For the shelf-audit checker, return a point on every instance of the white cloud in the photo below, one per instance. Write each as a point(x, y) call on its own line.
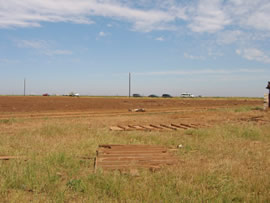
point(102, 34)
point(35, 44)
point(215, 15)
point(260, 18)
point(199, 16)
point(58, 52)
point(203, 72)
point(192, 57)
point(17, 13)
point(253, 14)
point(253, 54)
point(6, 60)
point(159, 39)
point(209, 17)
point(229, 37)
point(214, 53)
point(42, 46)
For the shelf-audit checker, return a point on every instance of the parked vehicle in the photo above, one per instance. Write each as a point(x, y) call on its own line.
point(72, 94)
point(45, 94)
point(166, 96)
point(152, 95)
point(187, 95)
point(136, 95)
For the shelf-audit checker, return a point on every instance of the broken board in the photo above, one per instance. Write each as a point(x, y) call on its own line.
point(126, 157)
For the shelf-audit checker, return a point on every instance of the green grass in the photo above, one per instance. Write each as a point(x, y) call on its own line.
point(8, 121)
point(240, 109)
point(224, 163)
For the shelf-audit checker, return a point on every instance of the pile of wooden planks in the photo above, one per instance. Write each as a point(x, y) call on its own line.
point(152, 127)
point(126, 157)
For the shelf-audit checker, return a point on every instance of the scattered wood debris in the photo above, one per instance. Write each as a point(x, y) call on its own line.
point(256, 119)
point(152, 127)
point(129, 157)
point(5, 158)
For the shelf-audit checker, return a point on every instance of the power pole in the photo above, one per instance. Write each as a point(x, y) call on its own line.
point(129, 90)
point(24, 89)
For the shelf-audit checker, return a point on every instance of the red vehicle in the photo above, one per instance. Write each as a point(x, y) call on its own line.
point(46, 94)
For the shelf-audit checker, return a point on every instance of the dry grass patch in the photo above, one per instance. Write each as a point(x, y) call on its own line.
point(226, 162)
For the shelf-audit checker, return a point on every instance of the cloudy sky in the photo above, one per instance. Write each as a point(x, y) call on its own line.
point(206, 47)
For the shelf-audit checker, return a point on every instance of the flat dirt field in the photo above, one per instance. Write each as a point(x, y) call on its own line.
point(38, 105)
point(52, 143)
point(202, 110)
point(66, 104)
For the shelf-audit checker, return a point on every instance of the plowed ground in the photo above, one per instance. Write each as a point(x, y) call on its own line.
point(38, 104)
point(108, 111)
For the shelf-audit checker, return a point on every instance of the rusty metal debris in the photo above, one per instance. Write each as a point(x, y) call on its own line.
point(152, 127)
point(127, 157)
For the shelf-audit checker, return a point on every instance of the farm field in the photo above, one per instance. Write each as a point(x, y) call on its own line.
point(53, 141)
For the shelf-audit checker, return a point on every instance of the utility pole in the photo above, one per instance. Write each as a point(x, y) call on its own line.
point(129, 90)
point(24, 89)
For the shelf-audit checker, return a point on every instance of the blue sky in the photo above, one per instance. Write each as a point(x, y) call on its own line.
point(206, 47)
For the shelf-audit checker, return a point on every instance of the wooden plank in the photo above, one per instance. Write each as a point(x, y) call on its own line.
point(148, 127)
point(133, 149)
point(179, 126)
point(129, 146)
point(124, 145)
point(169, 127)
point(145, 156)
point(133, 163)
point(125, 167)
point(132, 127)
point(116, 128)
point(3, 158)
point(137, 127)
point(132, 156)
point(115, 147)
point(151, 127)
point(127, 160)
point(157, 127)
point(186, 125)
point(192, 125)
point(128, 153)
point(125, 128)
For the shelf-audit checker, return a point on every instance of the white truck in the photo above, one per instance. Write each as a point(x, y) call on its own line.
point(187, 95)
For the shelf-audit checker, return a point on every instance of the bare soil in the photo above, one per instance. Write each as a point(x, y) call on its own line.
point(107, 112)
point(38, 104)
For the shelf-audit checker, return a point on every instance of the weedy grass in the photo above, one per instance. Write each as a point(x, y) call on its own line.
point(8, 121)
point(222, 163)
point(241, 109)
